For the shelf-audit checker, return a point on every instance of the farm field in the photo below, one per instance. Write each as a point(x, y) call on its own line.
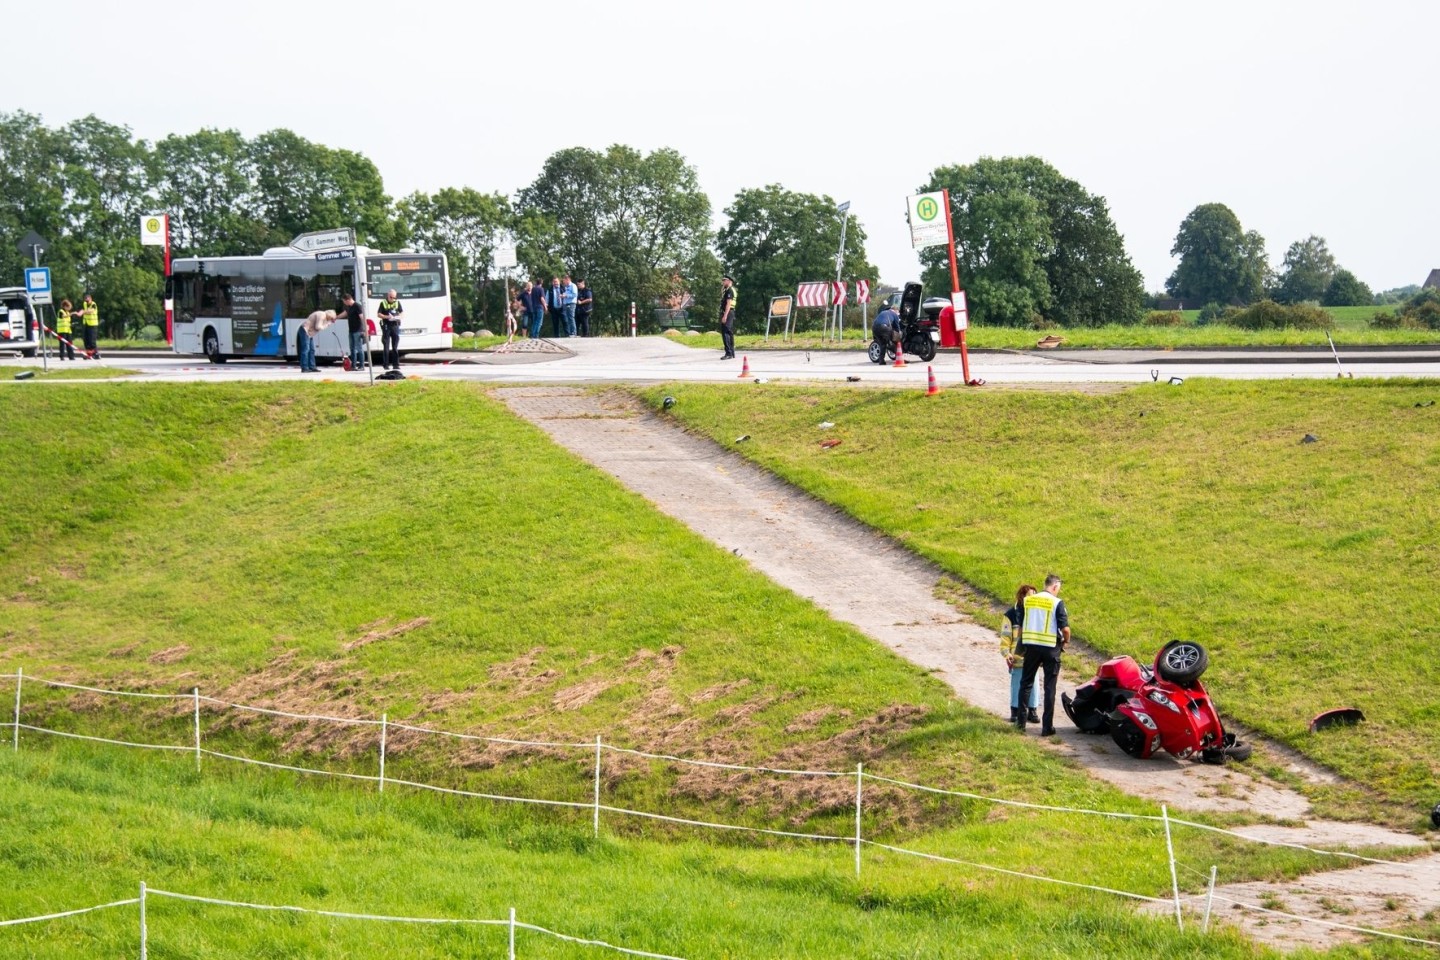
point(417, 551)
point(1194, 512)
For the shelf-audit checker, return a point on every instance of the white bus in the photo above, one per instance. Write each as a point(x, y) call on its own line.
point(253, 306)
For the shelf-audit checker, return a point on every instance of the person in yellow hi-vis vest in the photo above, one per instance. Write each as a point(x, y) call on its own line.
point(90, 323)
point(63, 329)
point(1044, 632)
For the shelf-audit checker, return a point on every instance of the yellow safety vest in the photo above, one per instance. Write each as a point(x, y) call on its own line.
point(62, 321)
point(1038, 627)
point(389, 306)
point(90, 314)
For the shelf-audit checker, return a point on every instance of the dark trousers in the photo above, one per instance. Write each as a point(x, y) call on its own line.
point(1036, 659)
point(727, 337)
point(92, 337)
point(390, 344)
point(582, 323)
point(67, 346)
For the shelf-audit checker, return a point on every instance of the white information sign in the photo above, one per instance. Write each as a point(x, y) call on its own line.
point(962, 315)
point(152, 229)
point(927, 220)
point(320, 240)
point(37, 284)
point(505, 258)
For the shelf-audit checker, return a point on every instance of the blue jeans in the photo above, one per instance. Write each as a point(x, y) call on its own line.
point(307, 351)
point(569, 312)
point(1015, 674)
point(537, 318)
point(357, 351)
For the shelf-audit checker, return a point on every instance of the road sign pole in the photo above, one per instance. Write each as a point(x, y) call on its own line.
point(169, 301)
point(839, 268)
point(955, 285)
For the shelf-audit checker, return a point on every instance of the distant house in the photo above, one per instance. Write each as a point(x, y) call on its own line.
point(1433, 280)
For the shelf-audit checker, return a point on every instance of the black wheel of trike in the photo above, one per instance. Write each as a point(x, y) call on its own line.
point(1182, 662)
point(1127, 735)
point(925, 350)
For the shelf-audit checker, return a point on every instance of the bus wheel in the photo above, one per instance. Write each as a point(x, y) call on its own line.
point(212, 347)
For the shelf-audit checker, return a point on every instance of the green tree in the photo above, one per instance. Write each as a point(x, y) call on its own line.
point(1346, 290)
point(302, 186)
point(466, 226)
point(1308, 268)
point(1033, 243)
point(1219, 262)
point(206, 181)
point(31, 196)
point(774, 239)
point(634, 225)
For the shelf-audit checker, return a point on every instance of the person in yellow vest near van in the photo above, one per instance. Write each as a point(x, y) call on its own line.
point(390, 310)
point(62, 327)
point(90, 323)
point(1044, 632)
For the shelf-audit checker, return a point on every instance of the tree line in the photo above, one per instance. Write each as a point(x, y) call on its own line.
point(1034, 246)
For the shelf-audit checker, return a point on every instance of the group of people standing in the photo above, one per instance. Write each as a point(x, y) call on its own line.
point(1033, 634)
point(568, 304)
point(390, 312)
point(89, 325)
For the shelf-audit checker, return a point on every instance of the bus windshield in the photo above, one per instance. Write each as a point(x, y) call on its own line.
point(412, 277)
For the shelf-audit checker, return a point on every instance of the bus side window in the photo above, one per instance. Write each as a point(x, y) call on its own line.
point(331, 285)
point(183, 292)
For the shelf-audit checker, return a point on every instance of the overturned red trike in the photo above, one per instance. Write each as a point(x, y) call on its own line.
point(1148, 709)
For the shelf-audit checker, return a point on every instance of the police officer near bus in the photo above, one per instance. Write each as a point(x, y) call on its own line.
point(390, 311)
point(63, 331)
point(727, 316)
point(1044, 632)
point(90, 323)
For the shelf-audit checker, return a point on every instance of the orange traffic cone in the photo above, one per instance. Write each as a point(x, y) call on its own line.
point(899, 356)
point(934, 387)
point(744, 367)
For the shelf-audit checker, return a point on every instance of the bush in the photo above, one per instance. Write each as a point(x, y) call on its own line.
point(1210, 313)
point(1040, 322)
point(150, 333)
point(1387, 320)
point(1269, 315)
point(1420, 312)
point(1164, 318)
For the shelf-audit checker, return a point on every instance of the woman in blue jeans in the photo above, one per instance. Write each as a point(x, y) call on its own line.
point(1014, 658)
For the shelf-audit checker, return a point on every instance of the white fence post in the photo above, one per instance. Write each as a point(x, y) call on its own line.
point(144, 934)
point(859, 787)
point(1174, 880)
point(512, 934)
point(384, 726)
point(19, 680)
point(197, 729)
point(597, 786)
point(1209, 898)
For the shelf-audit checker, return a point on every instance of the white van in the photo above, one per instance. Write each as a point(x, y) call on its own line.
point(18, 328)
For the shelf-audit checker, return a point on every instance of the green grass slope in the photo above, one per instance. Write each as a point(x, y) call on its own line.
point(1192, 512)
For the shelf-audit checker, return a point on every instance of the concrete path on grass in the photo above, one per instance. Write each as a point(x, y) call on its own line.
point(888, 593)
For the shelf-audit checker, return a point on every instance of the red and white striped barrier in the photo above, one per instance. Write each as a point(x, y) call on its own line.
point(813, 295)
point(841, 289)
point(862, 291)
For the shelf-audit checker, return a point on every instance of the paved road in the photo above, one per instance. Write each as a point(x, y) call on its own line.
point(652, 359)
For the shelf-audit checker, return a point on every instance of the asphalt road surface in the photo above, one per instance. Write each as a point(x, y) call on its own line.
point(658, 359)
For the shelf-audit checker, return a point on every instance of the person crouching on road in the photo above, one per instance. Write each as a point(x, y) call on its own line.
point(309, 330)
point(1044, 632)
point(389, 313)
point(1014, 655)
point(63, 331)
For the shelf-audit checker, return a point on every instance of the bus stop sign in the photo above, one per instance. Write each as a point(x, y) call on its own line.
point(37, 284)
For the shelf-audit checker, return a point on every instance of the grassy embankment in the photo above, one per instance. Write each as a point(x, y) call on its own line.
point(1193, 512)
point(244, 538)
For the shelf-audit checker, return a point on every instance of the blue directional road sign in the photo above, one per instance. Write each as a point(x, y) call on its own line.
point(37, 284)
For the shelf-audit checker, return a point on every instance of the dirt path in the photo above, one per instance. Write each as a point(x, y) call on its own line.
point(797, 541)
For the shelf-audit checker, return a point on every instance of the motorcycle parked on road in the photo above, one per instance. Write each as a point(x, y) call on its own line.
point(920, 337)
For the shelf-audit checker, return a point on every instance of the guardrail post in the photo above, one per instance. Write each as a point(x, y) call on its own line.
point(197, 729)
point(597, 786)
point(512, 934)
point(19, 681)
point(144, 933)
point(384, 725)
point(1174, 880)
point(859, 787)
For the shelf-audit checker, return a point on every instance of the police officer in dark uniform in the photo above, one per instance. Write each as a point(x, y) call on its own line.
point(727, 316)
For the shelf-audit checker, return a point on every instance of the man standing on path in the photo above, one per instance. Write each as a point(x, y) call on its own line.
point(355, 319)
point(390, 311)
point(583, 307)
point(568, 296)
point(90, 323)
point(535, 303)
point(555, 303)
point(727, 316)
point(1044, 632)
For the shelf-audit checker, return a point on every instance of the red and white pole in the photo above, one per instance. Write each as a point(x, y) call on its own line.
point(955, 286)
point(169, 300)
point(632, 319)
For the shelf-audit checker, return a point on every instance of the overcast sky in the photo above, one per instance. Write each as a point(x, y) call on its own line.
point(1313, 117)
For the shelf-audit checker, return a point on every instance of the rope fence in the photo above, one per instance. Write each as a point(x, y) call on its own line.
point(598, 749)
point(511, 924)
